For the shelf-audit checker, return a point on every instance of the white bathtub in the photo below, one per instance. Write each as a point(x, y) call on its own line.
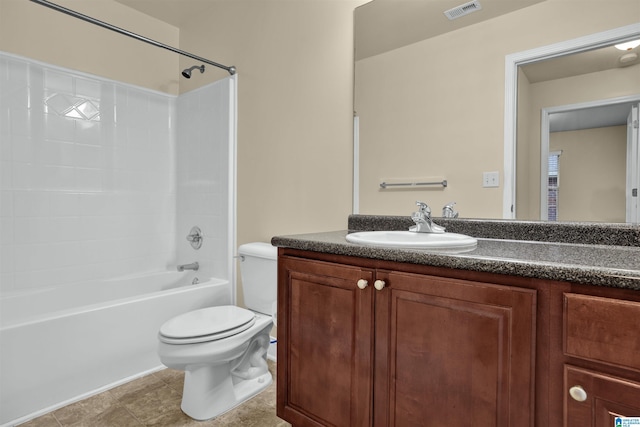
point(65, 343)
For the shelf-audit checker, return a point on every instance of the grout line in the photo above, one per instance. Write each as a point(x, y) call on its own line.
point(118, 403)
point(56, 419)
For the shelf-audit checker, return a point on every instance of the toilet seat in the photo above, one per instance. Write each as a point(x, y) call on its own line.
point(207, 324)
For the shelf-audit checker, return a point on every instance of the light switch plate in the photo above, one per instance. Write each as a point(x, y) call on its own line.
point(490, 179)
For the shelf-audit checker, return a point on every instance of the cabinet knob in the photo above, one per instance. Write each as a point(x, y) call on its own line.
point(578, 393)
point(379, 284)
point(362, 283)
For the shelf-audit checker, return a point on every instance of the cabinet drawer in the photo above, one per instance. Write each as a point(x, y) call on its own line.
point(602, 329)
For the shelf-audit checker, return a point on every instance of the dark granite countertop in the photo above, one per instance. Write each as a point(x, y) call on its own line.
point(593, 264)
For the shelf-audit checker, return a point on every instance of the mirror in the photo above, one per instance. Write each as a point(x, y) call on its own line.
point(592, 146)
point(433, 109)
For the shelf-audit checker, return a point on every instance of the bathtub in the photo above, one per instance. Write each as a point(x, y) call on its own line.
point(62, 344)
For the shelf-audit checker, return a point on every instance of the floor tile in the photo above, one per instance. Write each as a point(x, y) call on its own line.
point(116, 416)
point(47, 420)
point(154, 400)
point(171, 377)
point(84, 409)
point(173, 419)
point(154, 403)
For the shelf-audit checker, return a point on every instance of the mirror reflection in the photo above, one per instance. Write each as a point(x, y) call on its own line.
point(433, 109)
point(577, 159)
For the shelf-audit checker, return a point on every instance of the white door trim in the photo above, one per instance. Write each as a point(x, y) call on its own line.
point(512, 62)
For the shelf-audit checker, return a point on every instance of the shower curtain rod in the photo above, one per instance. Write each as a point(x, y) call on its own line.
point(231, 70)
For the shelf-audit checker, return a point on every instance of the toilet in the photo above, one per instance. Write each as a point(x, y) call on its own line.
point(223, 349)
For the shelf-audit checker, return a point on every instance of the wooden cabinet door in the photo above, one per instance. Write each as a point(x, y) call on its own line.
point(453, 352)
point(325, 330)
point(605, 398)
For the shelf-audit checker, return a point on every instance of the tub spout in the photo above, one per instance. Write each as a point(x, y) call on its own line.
point(193, 266)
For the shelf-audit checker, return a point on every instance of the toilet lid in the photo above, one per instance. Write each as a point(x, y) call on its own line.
point(210, 323)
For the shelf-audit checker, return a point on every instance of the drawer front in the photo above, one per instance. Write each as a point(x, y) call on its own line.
point(602, 329)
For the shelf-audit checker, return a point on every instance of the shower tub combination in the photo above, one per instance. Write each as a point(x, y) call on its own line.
point(65, 343)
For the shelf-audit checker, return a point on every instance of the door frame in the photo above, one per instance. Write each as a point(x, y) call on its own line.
point(633, 165)
point(545, 136)
point(512, 62)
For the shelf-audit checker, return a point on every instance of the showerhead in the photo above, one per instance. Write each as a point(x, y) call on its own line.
point(187, 71)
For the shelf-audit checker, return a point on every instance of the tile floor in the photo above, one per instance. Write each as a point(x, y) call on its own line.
point(154, 400)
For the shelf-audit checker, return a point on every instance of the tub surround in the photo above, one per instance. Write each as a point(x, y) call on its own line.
point(96, 187)
point(594, 254)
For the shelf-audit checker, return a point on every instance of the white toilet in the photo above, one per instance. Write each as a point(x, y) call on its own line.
point(223, 349)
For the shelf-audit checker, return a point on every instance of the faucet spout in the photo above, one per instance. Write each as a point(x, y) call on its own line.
point(193, 266)
point(423, 221)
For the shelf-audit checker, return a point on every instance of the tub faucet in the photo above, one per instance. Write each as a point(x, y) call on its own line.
point(193, 266)
point(448, 211)
point(424, 223)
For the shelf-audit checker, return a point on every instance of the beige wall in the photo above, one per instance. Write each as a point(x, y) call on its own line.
point(579, 89)
point(295, 84)
point(295, 78)
point(447, 117)
point(33, 31)
point(592, 174)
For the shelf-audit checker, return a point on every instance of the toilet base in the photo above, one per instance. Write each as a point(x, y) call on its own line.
point(201, 401)
point(220, 375)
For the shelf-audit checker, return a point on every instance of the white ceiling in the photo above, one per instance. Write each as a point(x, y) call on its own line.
point(174, 12)
point(384, 25)
point(589, 118)
point(404, 21)
point(592, 61)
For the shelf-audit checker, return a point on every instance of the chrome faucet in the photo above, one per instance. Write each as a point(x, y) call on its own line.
point(424, 223)
point(193, 266)
point(448, 211)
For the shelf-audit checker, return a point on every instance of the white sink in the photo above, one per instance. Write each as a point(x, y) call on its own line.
point(449, 242)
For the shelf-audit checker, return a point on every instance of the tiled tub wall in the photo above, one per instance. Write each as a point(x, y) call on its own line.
point(203, 176)
point(89, 177)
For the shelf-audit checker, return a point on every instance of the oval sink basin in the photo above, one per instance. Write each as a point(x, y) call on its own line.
point(449, 242)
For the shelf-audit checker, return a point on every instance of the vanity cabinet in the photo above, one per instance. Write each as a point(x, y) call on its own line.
point(325, 340)
point(601, 344)
point(363, 343)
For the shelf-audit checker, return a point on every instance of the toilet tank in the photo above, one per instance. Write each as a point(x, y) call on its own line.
point(259, 272)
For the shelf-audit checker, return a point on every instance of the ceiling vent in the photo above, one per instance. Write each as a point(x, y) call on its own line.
point(463, 9)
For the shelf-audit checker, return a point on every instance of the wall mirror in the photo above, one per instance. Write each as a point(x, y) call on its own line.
point(436, 105)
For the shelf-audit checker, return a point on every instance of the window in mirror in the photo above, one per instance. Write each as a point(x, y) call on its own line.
point(553, 185)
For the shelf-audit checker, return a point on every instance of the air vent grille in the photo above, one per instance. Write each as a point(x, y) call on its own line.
point(463, 9)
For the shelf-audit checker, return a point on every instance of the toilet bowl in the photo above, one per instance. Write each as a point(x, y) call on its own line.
point(223, 349)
